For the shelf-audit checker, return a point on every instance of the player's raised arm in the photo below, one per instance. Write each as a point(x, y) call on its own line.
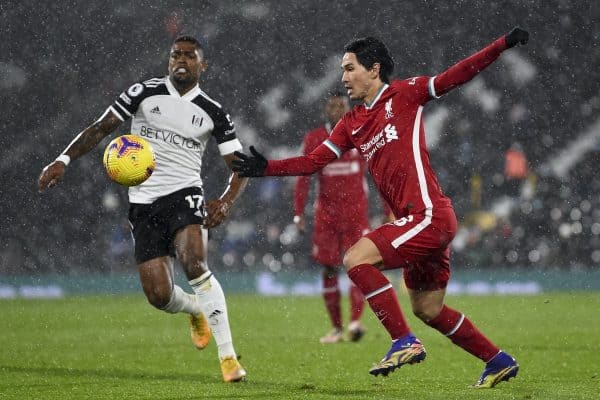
point(465, 70)
point(82, 144)
point(218, 209)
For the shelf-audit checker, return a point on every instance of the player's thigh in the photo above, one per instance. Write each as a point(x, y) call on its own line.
point(410, 239)
point(362, 252)
point(191, 249)
point(326, 244)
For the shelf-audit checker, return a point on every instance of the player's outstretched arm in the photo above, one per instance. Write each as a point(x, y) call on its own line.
point(465, 70)
point(256, 165)
point(218, 209)
point(82, 144)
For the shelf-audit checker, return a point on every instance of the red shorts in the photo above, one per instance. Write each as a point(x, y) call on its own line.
point(420, 245)
point(330, 241)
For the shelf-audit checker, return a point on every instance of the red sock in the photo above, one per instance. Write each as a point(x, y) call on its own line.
point(331, 295)
point(461, 331)
point(381, 297)
point(357, 303)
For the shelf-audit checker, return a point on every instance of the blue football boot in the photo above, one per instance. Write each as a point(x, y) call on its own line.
point(407, 350)
point(500, 368)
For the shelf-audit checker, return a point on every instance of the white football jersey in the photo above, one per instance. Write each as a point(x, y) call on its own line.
point(178, 128)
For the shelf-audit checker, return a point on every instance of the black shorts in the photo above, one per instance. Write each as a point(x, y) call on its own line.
point(154, 225)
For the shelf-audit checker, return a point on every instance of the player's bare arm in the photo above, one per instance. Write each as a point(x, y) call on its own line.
point(218, 209)
point(82, 144)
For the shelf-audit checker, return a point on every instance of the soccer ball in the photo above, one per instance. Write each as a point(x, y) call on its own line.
point(129, 160)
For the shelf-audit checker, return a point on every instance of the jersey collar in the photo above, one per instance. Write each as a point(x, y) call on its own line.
point(379, 93)
point(188, 96)
point(328, 128)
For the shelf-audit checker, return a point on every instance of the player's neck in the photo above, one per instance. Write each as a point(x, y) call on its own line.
point(182, 89)
point(373, 93)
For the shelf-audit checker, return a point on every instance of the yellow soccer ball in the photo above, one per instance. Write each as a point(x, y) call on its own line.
point(129, 160)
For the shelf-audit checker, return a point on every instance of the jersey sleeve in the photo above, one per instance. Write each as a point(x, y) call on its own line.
point(331, 149)
point(466, 69)
point(128, 102)
point(418, 88)
point(339, 140)
point(224, 133)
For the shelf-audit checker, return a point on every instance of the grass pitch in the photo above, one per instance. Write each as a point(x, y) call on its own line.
point(118, 347)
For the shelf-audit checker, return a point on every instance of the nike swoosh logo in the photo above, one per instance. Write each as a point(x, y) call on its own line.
point(355, 131)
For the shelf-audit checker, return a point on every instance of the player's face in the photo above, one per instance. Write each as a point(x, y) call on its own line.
point(335, 108)
point(358, 80)
point(185, 63)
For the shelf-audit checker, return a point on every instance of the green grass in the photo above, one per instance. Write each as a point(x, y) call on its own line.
point(118, 347)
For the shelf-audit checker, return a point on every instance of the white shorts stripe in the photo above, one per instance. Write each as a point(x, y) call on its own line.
point(376, 292)
point(411, 233)
point(458, 324)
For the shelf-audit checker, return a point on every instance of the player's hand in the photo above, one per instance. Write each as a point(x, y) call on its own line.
point(51, 175)
point(300, 223)
point(389, 217)
point(516, 36)
point(249, 166)
point(217, 211)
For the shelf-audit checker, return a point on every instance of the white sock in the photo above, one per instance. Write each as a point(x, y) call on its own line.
point(182, 302)
point(212, 302)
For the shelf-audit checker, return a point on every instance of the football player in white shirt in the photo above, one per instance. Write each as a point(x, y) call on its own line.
point(167, 212)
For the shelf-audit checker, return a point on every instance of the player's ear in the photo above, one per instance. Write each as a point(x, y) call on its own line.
point(374, 71)
point(203, 65)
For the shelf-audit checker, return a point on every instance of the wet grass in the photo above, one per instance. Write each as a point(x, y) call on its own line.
point(118, 347)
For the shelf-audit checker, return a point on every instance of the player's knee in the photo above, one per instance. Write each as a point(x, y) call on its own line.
point(426, 312)
point(159, 297)
point(193, 262)
point(351, 258)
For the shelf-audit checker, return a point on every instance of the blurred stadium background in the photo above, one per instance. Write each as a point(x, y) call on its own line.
point(271, 65)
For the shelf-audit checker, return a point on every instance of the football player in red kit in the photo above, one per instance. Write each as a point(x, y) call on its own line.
point(341, 218)
point(387, 129)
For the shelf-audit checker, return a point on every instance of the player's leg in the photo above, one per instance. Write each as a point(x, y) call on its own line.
point(357, 300)
point(361, 261)
point(430, 308)
point(331, 297)
point(156, 277)
point(326, 252)
point(155, 266)
point(356, 330)
point(190, 247)
point(426, 282)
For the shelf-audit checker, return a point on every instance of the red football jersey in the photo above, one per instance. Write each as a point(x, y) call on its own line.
point(342, 189)
point(390, 136)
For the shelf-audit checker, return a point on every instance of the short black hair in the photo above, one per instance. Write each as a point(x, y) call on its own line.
point(370, 50)
point(189, 39)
